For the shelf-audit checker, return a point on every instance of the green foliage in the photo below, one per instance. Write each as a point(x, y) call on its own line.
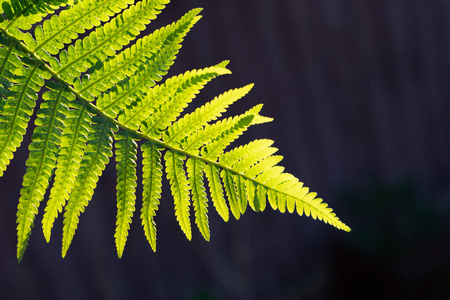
point(102, 90)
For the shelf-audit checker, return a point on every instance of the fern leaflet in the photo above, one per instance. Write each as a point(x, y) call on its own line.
point(126, 152)
point(96, 157)
point(41, 161)
point(152, 177)
point(199, 200)
point(180, 189)
point(73, 143)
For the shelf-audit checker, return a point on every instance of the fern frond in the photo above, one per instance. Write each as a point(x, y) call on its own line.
point(243, 157)
point(216, 191)
point(215, 148)
point(261, 198)
point(157, 50)
point(164, 103)
point(241, 190)
point(41, 161)
point(286, 192)
point(10, 62)
point(152, 182)
point(98, 88)
point(105, 41)
point(64, 28)
point(23, 14)
point(230, 189)
point(213, 132)
point(264, 164)
point(212, 110)
point(96, 157)
point(180, 189)
point(199, 199)
point(253, 200)
point(73, 143)
point(21, 84)
point(126, 155)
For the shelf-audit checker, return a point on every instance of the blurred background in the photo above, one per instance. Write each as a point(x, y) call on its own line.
point(359, 91)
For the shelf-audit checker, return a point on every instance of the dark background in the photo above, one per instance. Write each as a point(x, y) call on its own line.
point(359, 90)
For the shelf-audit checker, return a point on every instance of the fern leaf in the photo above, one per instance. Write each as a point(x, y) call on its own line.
point(96, 157)
point(23, 14)
point(261, 197)
point(264, 164)
point(61, 29)
point(105, 41)
point(41, 161)
point(286, 192)
point(97, 76)
point(180, 189)
point(17, 107)
point(200, 201)
point(216, 191)
point(164, 103)
point(217, 146)
point(185, 126)
point(241, 189)
point(230, 189)
point(272, 197)
point(157, 50)
point(213, 132)
point(126, 152)
point(10, 62)
point(152, 177)
point(250, 187)
point(243, 157)
point(73, 143)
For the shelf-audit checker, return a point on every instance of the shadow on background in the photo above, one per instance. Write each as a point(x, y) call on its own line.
point(359, 90)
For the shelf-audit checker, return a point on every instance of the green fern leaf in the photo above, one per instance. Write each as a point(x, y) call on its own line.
point(261, 198)
point(230, 189)
point(96, 157)
point(20, 98)
point(264, 164)
point(241, 189)
point(41, 162)
point(73, 143)
point(157, 50)
point(102, 88)
point(216, 191)
point(165, 103)
point(10, 62)
point(243, 157)
point(180, 189)
point(105, 41)
point(199, 199)
point(215, 148)
point(187, 125)
point(213, 132)
point(23, 14)
point(152, 177)
point(126, 152)
point(64, 28)
point(253, 201)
